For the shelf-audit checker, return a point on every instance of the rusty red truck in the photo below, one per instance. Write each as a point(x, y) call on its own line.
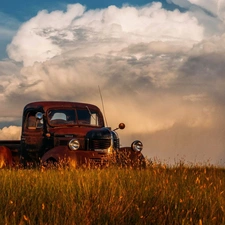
point(72, 133)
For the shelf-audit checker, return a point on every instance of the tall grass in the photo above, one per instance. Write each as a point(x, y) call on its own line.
point(156, 195)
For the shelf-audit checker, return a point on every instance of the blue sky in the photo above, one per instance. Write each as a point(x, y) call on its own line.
point(23, 10)
point(160, 66)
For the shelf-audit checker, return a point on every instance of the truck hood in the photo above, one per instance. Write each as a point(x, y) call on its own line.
point(73, 131)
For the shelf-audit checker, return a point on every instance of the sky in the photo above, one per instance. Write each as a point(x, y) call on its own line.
point(159, 66)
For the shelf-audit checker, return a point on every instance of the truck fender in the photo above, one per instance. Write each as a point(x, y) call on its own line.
point(59, 154)
point(5, 157)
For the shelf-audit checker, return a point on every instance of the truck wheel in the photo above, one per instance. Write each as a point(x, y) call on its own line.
point(51, 163)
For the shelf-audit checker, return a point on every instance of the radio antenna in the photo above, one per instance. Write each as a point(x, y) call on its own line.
point(102, 106)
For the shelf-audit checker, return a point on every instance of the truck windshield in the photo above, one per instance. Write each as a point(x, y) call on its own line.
point(59, 117)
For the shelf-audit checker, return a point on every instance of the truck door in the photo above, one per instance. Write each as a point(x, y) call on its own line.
point(32, 137)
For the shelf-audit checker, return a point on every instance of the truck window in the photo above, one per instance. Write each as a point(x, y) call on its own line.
point(86, 116)
point(94, 119)
point(32, 123)
point(61, 116)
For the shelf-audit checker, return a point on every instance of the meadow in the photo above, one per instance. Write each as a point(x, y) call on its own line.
point(159, 194)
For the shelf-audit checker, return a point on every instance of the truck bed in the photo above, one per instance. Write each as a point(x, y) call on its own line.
point(13, 145)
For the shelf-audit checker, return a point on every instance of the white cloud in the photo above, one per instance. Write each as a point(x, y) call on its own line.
point(157, 71)
point(216, 7)
point(214, 44)
point(210, 13)
point(35, 39)
point(100, 31)
point(10, 133)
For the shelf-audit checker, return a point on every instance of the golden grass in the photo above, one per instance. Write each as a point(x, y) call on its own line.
point(158, 194)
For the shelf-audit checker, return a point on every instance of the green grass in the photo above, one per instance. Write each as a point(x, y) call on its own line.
point(156, 195)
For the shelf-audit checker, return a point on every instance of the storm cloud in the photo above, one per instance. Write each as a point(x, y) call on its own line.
point(159, 71)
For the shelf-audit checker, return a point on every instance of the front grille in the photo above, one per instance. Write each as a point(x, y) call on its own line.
point(116, 143)
point(99, 144)
point(63, 142)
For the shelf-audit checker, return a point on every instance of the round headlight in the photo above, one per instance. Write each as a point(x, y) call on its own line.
point(137, 146)
point(74, 144)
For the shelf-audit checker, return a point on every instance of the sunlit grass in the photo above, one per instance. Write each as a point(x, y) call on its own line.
point(158, 194)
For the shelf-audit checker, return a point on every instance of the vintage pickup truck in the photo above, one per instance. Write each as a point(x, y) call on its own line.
point(67, 133)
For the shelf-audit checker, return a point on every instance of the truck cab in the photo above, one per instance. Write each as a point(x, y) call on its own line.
point(71, 133)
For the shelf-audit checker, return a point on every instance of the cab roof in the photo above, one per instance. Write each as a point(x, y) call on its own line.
point(51, 104)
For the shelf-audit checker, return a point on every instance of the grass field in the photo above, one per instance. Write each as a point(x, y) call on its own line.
point(156, 195)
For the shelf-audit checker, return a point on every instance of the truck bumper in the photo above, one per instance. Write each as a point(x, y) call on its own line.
point(123, 157)
point(63, 155)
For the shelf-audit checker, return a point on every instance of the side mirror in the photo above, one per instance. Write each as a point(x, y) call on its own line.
point(121, 126)
point(39, 115)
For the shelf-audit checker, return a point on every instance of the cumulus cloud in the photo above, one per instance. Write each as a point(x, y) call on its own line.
point(215, 7)
point(159, 71)
point(12, 131)
point(105, 31)
point(211, 14)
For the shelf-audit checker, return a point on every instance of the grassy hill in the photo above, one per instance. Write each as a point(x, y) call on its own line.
point(158, 194)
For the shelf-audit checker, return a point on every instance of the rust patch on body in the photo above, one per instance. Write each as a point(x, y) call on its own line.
point(5, 157)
